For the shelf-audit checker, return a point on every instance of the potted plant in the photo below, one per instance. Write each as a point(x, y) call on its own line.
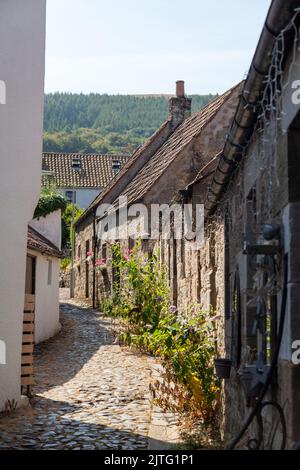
point(223, 367)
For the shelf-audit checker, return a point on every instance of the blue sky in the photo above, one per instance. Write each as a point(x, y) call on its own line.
point(144, 46)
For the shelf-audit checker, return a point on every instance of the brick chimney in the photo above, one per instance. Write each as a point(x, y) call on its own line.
point(179, 105)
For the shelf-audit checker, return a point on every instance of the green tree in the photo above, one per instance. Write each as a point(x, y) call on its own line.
point(67, 222)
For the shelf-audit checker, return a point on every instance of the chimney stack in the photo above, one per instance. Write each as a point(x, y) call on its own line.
point(180, 88)
point(179, 105)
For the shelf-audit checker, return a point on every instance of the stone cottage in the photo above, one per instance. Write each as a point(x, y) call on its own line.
point(85, 175)
point(248, 268)
point(156, 171)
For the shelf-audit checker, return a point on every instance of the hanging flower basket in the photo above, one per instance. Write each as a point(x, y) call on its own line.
point(89, 256)
point(100, 266)
point(223, 368)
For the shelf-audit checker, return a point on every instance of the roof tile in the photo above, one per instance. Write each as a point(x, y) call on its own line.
point(96, 171)
point(37, 242)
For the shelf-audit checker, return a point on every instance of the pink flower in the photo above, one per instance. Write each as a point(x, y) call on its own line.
point(89, 253)
point(100, 262)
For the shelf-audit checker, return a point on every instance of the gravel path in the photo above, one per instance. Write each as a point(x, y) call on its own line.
point(89, 393)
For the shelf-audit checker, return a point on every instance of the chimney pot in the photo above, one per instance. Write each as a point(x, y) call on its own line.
point(179, 105)
point(180, 88)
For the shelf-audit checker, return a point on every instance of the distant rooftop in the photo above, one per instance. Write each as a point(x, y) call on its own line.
point(95, 171)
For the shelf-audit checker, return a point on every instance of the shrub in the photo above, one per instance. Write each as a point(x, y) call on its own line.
point(185, 341)
point(65, 264)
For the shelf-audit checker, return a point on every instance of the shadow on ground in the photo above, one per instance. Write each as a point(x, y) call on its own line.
point(59, 359)
point(53, 431)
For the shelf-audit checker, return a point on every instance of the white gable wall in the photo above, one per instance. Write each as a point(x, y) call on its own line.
point(84, 196)
point(49, 227)
point(22, 51)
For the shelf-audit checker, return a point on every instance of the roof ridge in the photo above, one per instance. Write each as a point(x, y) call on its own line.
point(88, 154)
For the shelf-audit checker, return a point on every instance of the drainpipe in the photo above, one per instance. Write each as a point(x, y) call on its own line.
point(280, 14)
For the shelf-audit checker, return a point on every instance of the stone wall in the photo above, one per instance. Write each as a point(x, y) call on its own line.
point(84, 242)
point(262, 191)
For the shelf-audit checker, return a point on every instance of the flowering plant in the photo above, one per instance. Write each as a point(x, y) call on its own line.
point(100, 265)
point(89, 256)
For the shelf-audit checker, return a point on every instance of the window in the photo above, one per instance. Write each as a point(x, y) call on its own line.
point(131, 243)
point(266, 322)
point(293, 162)
point(69, 196)
point(116, 166)
point(115, 273)
point(76, 164)
point(227, 268)
point(104, 252)
point(49, 272)
point(87, 269)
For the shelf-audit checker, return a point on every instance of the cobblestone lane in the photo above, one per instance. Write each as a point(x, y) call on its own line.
point(89, 393)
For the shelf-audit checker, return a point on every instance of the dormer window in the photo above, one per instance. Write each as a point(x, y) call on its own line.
point(76, 164)
point(116, 166)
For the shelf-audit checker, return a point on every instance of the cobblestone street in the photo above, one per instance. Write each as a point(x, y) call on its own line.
point(90, 393)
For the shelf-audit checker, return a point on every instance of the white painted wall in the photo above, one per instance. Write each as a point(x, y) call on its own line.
point(46, 298)
point(22, 51)
point(49, 227)
point(84, 197)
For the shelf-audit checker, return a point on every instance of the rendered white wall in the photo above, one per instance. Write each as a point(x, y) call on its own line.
point(84, 197)
point(50, 227)
point(46, 298)
point(22, 51)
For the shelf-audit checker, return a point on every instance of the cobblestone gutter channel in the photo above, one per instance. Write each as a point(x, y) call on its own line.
point(90, 394)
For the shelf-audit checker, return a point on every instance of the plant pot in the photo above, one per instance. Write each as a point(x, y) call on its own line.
point(223, 368)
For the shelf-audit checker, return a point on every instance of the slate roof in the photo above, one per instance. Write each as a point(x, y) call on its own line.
point(96, 170)
point(182, 137)
point(37, 242)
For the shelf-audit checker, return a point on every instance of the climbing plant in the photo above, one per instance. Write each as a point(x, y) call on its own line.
point(50, 201)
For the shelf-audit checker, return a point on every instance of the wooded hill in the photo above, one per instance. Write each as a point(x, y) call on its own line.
point(97, 123)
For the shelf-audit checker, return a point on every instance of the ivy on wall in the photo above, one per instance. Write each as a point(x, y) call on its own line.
point(50, 201)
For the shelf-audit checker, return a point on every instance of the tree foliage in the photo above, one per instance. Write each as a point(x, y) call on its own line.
point(97, 123)
point(67, 223)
